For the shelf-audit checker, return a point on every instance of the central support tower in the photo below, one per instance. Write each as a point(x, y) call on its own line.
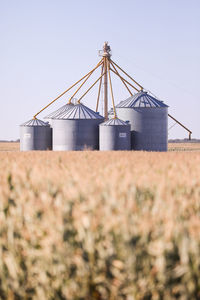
point(106, 56)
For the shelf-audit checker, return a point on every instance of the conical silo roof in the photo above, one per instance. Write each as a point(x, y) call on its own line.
point(35, 122)
point(114, 122)
point(59, 111)
point(79, 111)
point(141, 99)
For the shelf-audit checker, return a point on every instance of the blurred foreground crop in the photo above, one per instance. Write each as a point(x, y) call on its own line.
point(91, 225)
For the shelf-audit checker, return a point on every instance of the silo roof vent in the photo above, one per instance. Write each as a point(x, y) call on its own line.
point(79, 111)
point(142, 99)
point(35, 122)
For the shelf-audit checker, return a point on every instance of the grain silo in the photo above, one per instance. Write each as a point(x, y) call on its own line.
point(149, 121)
point(75, 126)
point(76, 129)
point(35, 135)
point(114, 134)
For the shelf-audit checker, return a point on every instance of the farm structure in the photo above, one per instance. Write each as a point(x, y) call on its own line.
point(137, 123)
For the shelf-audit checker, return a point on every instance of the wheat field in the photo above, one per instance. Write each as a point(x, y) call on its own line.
point(184, 147)
point(9, 146)
point(14, 146)
point(99, 225)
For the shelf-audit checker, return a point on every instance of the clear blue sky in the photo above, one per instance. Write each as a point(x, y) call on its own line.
point(46, 45)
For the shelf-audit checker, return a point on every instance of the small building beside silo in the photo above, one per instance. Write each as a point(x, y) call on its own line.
point(35, 135)
point(148, 118)
point(114, 134)
point(76, 129)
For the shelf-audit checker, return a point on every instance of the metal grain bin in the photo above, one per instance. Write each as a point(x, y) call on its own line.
point(114, 134)
point(76, 129)
point(35, 135)
point(149, 121)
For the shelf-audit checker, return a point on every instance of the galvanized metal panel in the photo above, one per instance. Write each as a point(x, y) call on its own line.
point(35, 135)
point(59, 111)
point(114, 134)
point(149, 127)
point(76, 129)
point(79, 111)
point(35, 138)
point(148, 117)
point(114, 122)
point(74, 134)
point(35, 122)
point(142, 99)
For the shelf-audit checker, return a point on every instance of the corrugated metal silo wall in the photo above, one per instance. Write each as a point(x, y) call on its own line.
point(35, 138)
point(114, 138)
point(149, 127)
point(76, 134)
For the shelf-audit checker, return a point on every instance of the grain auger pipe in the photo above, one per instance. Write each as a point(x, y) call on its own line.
point(98, 65)
point(35, 116)
point(141, 87)
point(79, 101)
point(190, 132)
point(99, 90)
point(117, 73)
point(111, 90)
